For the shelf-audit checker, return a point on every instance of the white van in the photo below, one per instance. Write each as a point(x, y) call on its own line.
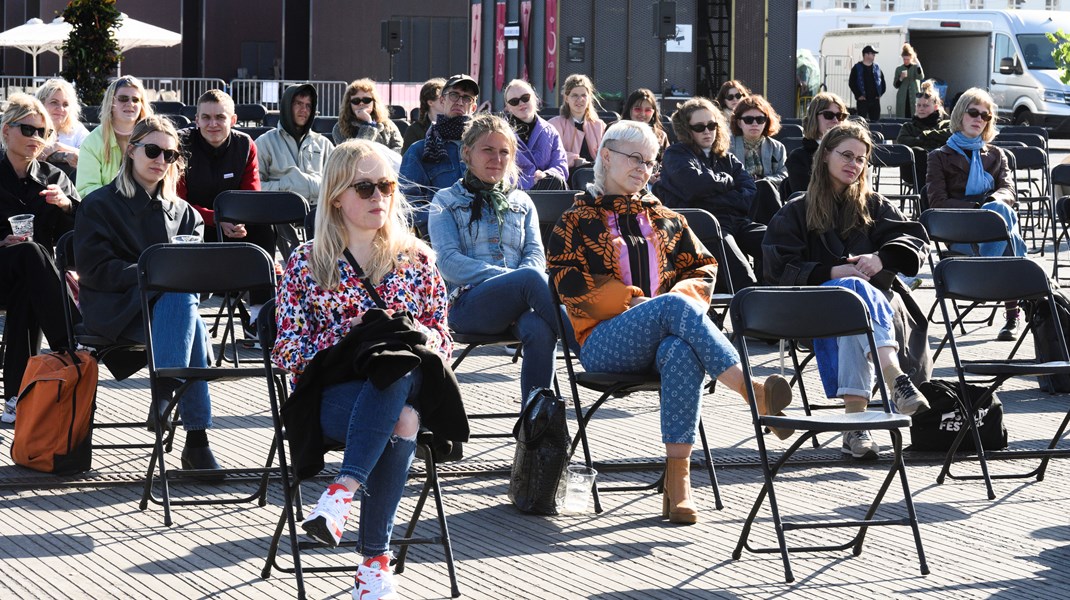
point(1003, 51)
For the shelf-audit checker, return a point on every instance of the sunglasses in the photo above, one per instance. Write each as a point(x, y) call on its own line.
point(152, 151)
point(700, 127)
point(365, 189)
point(732, 97)
point(922, 95)
point(752, 119)
point(31, 131)
point(984, 116)
point(359, 101)
point(519, 100)
point(124, 99)
point(829, 115)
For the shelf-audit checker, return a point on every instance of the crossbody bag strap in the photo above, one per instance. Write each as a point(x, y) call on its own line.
point(364, 280)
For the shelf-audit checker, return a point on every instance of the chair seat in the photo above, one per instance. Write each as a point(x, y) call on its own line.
point(210, 374)
point(870, 419)
point(720, 299)
point(1017, 369)
point(633, 383)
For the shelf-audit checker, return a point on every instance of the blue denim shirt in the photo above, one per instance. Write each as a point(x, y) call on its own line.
point(471, 254)
point(420, 180)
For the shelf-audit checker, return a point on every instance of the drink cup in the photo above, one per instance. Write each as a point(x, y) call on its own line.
point(186, 239)
point(579, 480)
point(22, 225)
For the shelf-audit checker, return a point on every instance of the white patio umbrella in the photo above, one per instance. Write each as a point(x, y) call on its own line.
point(36, 37)
point(139, 34)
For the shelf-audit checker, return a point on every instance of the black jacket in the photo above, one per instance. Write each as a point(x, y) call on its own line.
point(381, 349)
point(719, 184)
point(109, 236)
point(800, 164)
point(209, 170)
point(22, 196)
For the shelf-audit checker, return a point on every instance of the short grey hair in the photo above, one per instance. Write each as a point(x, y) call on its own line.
point(623, 131)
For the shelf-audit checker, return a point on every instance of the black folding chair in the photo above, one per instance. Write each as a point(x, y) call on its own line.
point(1033, 186)
point(1060, 175)
point(551, 205)
point(789, 130)
point(807, 313)
point(250, 115)
point(581, 178)
point(250, 208)
point(892, 156)
point(998, 280)
point(278, 390)
point(705, 226)
point(179, 268)
point(1029, 138)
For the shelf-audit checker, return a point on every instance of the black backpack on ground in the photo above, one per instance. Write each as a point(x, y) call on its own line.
point(542, 453)
point(1046, 339)
point(937, 428)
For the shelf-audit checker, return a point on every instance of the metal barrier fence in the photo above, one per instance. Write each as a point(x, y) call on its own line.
point(179, 89)
point(17, 84)
point(836, 71)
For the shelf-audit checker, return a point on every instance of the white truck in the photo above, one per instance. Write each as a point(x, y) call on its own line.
point(1004, 51)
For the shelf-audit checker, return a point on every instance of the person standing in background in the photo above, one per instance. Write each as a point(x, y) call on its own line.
point(868, 85)
point(907, 80)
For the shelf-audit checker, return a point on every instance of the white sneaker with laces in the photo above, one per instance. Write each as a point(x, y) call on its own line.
point(907, 399)
point(860, 445)
point(327, 521)
point(375, 580)
point(9, 410)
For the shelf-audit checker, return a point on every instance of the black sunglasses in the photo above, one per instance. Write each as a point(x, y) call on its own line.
point(828, 114)
point(973, 112)
point(31, 131)
point(359, 101)
point(752, 119)
point(519, 100)
point(731, 97)
point(152, 151)
point(365, 189)
point(700, 127)
point(922, 95)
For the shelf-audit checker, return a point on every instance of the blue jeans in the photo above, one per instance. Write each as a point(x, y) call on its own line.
point(180, 339)
point(998, 248)
point(363, 416)
point(519, 302)
point(672, 335)
point(842, 362)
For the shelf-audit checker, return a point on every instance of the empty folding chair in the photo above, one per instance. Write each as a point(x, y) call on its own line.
point(1060, 176)
point(892, 156)
point(807, 313)
point(1034, 193)
point(998, 280)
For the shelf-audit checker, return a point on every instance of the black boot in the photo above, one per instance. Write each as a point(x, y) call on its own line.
point(201, 458)
point(1009, 333)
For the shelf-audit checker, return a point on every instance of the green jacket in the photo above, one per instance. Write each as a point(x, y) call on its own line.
point(93, 172)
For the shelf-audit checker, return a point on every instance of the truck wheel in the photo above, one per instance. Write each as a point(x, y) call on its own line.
point(1024, 117)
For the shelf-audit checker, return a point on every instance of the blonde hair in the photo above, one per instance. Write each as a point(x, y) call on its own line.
point(124, 180)
point(106, 127)
point(975, 96)
point(820, 103)
point(20, 106)
point(908, 50)
point(624, 131)
point(527, 86)
point(480, 126)
point(392, 243)
point(827, 210)
point(345, 111)
point(572, 82)
point(74, 111)
point(681, 120)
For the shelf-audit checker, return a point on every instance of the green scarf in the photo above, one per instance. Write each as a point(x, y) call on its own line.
point(496, 196)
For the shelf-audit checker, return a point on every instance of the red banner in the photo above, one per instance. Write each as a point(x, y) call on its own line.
point(499, 47)
point(551, 44)
point(525, 28)
point(477, 35)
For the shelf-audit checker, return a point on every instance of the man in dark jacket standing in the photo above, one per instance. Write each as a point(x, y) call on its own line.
point(868, 85)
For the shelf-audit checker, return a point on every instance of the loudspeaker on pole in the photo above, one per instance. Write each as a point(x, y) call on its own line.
point(664, 20)
point(391, 36)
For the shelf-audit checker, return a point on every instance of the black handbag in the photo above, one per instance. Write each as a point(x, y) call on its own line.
point(542, 454)
point(936, 428)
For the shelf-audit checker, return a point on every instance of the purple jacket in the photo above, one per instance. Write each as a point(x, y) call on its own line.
point(543, 152)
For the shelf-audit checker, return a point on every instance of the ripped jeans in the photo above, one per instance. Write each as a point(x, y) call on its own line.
point(364, 416)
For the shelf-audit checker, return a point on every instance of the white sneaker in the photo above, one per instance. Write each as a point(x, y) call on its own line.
point(327, 521)
point(860, 445)
point(9, 410)
point(375, 580)
point(907, 399)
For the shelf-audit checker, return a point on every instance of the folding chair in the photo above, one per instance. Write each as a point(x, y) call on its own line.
point(706, 227)
point(997, 280)
point(179, 268)
point(250, 115)
point(1060, 175)
point(807, 313)
point(550, 205)
point(1034, 192)
point(892, 156)
point(581, 178)
point(788, 130)
point(1029, 138)
point(278, 390)
point(618, 385)
point(251, 208)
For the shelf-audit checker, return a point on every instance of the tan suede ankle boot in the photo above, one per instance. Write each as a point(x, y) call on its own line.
point(676, 502)
point(772, 397)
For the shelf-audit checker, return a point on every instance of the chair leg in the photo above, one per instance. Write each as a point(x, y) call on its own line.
point(908, 500)
point(710, 467)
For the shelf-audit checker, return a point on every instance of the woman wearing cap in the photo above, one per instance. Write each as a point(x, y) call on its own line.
point(540, 157)
point(101, 154)
point(825, 111)
point(968, 172)
point(907, 81)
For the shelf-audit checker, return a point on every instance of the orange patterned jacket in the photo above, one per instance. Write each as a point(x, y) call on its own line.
point(585, 263)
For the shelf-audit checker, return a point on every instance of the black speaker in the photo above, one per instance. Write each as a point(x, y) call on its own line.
point(665, 20)
point(391, 36)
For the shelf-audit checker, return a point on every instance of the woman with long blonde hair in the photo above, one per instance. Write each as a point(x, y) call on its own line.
point(101, 154)
point(580, 128)
point(61, 101)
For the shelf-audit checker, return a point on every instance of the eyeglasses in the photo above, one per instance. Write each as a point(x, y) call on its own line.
point(984, 116)
point(700, 127)
point(152, 151)
point(462, 98)
point(359, 101)
point(829, 115)
point(365, 189)
point(733, 97)
point(851, 157)
point(123, 99)
point(519, 100)
point(752, 119)
point(637, 161)
point(31, 131)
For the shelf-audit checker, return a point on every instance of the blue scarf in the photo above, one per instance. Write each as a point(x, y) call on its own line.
point(979, 182)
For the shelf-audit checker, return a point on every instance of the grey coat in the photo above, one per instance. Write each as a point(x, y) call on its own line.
point(774, 158)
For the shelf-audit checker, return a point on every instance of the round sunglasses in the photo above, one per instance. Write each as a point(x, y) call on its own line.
point(365, 189)
point(733, 97)
point(152, 151)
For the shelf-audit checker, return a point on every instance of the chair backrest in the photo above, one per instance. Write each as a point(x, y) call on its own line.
point(271, 119)
point(250, 114)
point(964, 226)
point(324, 125)
point(1029, 139)
point(254, 132)
point(401, 124)
point(705, 226)
point(789, 130)
point(310, 224)
point(581, 177)
point(1028, 157)
point(550, 205)
point(235, 267)
point(260, 207)
point(892, 155)
point(790, 143)
point(1008, 144)
point(798, 313)
point(190, 112)
point(90, 114)
point(1060, 174)
point(167, 107)
point(609, 116)
point(990, 279)
point(395, 111)
point(1034, 129)
point(179, 121)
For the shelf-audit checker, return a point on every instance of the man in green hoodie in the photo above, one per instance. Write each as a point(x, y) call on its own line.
point(292, 157)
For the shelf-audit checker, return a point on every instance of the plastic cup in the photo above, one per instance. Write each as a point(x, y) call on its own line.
point(579, 480)
point(21, 225)
point(186, 239)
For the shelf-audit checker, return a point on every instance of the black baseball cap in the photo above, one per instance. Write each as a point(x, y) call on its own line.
point(869, 50)
point(461, 79)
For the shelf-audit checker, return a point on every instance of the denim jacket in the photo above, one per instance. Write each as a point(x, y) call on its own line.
point(471, 254)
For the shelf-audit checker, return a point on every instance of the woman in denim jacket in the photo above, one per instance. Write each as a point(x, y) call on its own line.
point(486, 234)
